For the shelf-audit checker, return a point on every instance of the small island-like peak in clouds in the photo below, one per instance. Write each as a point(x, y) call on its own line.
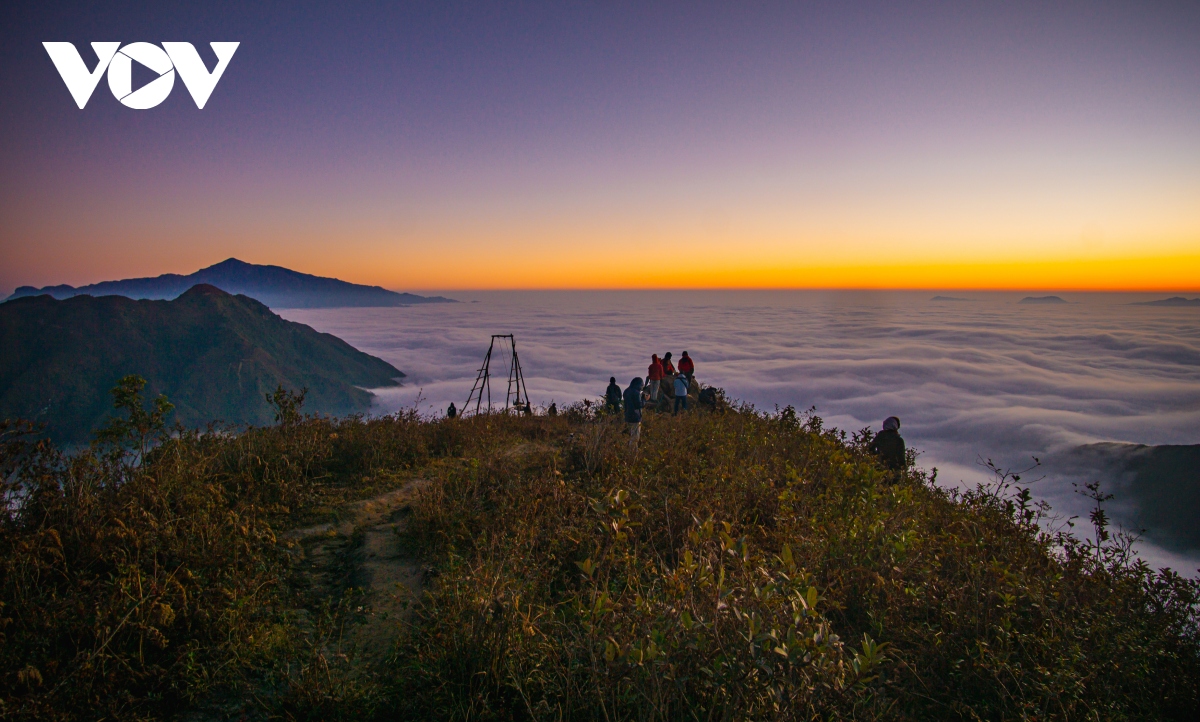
point(1045, 300)
point(1175, 301)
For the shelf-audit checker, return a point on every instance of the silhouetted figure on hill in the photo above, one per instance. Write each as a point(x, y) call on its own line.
point(633, 412)
point(451, 412)
point(681, 392)
point(612, 396)
point(553, 410)
point(889, 447)
point(654, 376)
point(686, 366)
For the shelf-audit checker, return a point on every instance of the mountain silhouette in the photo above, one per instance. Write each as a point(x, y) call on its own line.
point(1157, 487)
point(1172, 301)
point(213, 354)
point(275, 286)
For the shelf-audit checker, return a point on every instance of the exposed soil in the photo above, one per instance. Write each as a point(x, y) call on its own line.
point(364, 549)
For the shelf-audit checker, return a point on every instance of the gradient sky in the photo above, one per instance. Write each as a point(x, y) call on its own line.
point(564, 145)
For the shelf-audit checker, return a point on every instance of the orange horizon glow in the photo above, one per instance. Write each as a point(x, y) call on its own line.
point(1176, 273)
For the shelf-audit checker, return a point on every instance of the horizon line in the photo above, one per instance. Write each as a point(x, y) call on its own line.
point(4, 293)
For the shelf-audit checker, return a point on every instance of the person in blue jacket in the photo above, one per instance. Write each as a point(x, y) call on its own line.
point(681, 389)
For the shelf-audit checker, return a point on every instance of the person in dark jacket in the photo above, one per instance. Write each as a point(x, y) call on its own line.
point(668, 367)
point(451, 412)
point(612, 396)
point(633, 412)
point(686, 366)
point(889, 447)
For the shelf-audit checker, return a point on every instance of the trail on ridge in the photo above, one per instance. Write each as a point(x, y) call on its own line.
point(364, 549)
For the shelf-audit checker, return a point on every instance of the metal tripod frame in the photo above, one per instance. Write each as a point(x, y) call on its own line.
point(516, 381)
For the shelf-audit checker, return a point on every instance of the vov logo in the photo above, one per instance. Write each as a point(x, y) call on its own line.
point(118, 61)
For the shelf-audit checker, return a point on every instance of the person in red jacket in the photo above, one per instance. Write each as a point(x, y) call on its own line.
point(654, 377)
point(686, 367)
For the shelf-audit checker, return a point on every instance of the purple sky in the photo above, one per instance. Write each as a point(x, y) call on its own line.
point(387, 143)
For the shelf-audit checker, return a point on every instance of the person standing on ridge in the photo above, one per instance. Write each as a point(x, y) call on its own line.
point(451, 412)
point(681, 391)
point(612, 396)
point(633, 412)
point(553, 410)
point(889, 447)
point(668, 367)
point(654, 377)
point(686, 366)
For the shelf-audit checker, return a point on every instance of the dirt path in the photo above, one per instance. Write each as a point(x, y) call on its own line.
point(364, 549)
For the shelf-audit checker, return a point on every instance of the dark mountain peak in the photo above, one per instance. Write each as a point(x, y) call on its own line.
point(47, 291)
point(213, 354)
point(203, 289)
point(1042, 300)
point(274, 286)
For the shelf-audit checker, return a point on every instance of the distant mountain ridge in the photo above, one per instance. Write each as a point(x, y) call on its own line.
point(1159, 486)
point(1042, 299)
point(274, 286)
point(213, 354)
point(1172, 301)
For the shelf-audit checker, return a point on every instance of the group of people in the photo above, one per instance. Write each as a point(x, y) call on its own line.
point(662, 371)
point(887, 445)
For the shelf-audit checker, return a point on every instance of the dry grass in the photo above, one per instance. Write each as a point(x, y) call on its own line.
point(740, 566)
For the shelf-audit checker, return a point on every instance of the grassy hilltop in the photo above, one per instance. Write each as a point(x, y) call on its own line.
point(740, 566)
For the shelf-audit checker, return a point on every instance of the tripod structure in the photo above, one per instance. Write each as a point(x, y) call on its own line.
point(516, 396)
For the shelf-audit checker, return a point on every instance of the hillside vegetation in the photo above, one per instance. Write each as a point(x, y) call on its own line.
point(213, 354)
point(741, 565)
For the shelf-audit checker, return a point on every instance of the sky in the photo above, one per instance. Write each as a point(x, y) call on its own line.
point(449, 145)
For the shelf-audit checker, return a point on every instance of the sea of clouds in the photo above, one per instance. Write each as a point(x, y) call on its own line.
point(981, 378)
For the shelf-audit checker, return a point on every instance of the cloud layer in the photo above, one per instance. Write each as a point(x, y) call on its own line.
point(970, 381)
